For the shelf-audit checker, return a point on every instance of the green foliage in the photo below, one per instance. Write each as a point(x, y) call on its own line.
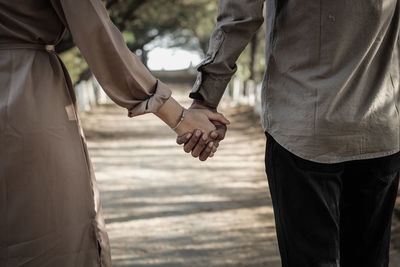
point(187, 23)
point(202, 21)
point(183, 19)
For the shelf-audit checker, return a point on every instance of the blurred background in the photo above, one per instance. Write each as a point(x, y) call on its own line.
point(162, 207)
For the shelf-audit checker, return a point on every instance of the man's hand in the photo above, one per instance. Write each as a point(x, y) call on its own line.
point(200, 145)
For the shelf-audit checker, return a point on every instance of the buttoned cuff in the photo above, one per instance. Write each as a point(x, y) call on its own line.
point(209, 89)
point(161, 94)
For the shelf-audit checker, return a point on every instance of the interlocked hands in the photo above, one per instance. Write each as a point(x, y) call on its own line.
point(203, 144)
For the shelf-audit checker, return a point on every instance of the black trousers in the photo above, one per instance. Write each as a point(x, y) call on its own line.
point(332, 214)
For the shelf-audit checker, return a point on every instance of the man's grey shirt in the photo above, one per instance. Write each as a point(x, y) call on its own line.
point(331, 89)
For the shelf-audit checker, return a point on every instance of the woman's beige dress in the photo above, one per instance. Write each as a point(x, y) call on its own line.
point(50, 213)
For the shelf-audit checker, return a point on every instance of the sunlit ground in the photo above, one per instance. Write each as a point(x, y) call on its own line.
point(164, 208)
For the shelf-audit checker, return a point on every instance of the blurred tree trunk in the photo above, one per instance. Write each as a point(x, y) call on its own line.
point(145, 57)
point(204, 45)
point(253, 52)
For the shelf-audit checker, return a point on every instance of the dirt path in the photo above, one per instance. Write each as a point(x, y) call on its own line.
point(164, 208)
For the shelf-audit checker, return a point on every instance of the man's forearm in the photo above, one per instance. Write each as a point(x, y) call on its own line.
point(238, 20)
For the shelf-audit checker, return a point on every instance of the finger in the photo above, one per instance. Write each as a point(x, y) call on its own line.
point(211, 155)
point(214, 149)
point(189, 145)
point(214, 116)
point(216, 144)
point(206, 152)
point(183, 139)
point(214, 135)
point(200, 146)
point(221, 130)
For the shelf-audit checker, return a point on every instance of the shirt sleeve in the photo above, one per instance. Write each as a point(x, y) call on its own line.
point(237, 22)
point(121, 74)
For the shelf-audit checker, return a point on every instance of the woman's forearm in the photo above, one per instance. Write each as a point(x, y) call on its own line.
point(170, 112)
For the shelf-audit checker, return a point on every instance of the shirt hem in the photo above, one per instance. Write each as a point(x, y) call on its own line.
point(334, 160)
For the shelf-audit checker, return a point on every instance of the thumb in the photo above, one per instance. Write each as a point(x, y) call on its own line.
point(215, 116)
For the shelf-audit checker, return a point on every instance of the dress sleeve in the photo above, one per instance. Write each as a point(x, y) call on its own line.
point(121, 74)
point(237, 22)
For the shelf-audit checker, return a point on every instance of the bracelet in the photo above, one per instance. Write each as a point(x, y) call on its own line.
point(180, 120)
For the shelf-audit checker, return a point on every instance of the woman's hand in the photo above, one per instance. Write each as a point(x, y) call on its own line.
point(171, 112)
point(203, 122)
point(199, 119)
